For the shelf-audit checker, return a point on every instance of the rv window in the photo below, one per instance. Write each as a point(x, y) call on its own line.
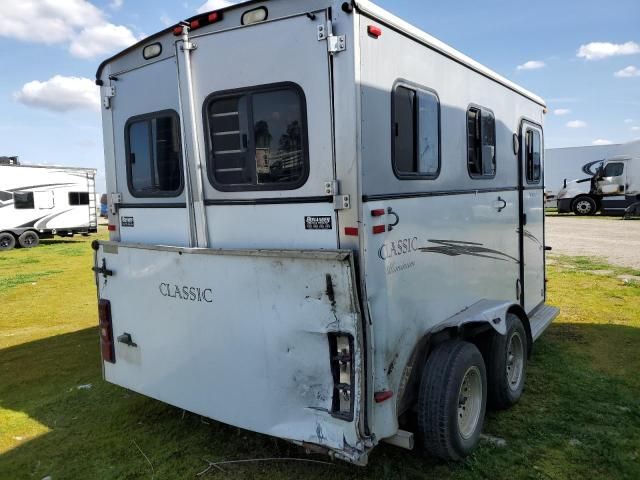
point(78, 198)
point(613, 169)
point(153, 155)
point(533, 152)
point(257, 139)
point(23, 201)
point(416, 135)
point(481, 143)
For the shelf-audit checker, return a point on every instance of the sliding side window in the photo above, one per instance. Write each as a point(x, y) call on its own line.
point(481, 143)
point(258, 139)
point(78, 198)
point(154, 157)
point(23, 201)
point(533, 146)
point(416, 133)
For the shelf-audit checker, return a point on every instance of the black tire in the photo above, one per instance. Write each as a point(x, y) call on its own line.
point(506, 358)
point(439, 400)
point(7, 241)
point(584, 206)
point(29, 239)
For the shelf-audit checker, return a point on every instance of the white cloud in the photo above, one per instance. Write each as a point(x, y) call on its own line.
point(211, 5)
point(576, 124)
point(628, 72)
point(63, 22)
point(100, 40)
point(531, 65)
point(561, 111)
point(628, 120)
point(61, 94)
point(601, 141)
point(635, 129)
point(598, 50)
point(116, 4)
point(166, 21)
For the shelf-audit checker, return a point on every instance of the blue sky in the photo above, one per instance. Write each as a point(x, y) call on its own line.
point(582, 57)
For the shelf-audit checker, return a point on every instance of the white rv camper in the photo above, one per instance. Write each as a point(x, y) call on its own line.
point(613, 184)
point(326, 226)
point(41, 201)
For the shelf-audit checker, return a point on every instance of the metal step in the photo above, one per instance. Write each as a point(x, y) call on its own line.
point(541, 319)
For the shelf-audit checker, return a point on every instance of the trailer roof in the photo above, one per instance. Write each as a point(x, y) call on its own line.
point(375, 12)
point(53, 167)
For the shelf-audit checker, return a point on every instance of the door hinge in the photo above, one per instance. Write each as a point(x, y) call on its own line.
point(335, 43)
point(114, 200)
point(340, 202)
point(109, 93)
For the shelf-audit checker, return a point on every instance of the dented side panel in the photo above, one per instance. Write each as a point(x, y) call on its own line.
point(239, 337)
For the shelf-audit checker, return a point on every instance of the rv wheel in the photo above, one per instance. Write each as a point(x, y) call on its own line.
point(452, 400)
point(506, 357)
point(583, 206)
point(29, 239)
point(7, 241)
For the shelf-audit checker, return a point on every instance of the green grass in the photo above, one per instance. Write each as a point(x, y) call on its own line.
point(579, 416)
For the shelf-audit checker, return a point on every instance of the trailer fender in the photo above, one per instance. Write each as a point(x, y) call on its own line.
point(493, 312)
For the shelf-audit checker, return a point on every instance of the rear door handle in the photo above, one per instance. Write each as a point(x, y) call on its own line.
point(500, 204)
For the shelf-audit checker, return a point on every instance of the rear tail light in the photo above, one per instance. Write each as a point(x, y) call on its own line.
point(106, 331)
point(341, 351)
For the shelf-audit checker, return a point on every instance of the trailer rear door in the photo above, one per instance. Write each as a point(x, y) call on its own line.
point(263, 113)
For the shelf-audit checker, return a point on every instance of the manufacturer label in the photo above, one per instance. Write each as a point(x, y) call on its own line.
point(317, 223)
point(127, 221)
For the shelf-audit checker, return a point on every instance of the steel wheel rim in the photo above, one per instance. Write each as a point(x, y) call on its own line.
point(29, 240)
point(470, 402)
point(583, 206)
point(515, 361)
point(4, 242)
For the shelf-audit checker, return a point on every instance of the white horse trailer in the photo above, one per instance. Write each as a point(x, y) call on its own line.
point(326, 226)
point(42, 201)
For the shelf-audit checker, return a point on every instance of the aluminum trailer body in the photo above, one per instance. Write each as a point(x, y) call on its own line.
point(314, 208)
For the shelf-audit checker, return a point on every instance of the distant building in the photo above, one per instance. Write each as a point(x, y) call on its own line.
point(9, 161)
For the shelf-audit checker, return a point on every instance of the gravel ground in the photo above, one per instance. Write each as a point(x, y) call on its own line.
point(616, 240)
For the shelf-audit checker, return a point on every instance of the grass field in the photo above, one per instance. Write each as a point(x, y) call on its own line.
point(579, 417)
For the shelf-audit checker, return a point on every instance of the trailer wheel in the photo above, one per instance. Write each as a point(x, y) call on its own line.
point(29, 239)
point(7, 241)
point(506, 357)
point(452, 400)
point(583, 206)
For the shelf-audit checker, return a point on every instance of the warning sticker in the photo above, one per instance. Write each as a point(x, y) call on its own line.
point(317, 223)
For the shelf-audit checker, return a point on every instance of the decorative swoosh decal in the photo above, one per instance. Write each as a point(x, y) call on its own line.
point(530, 236)
point(455, 248)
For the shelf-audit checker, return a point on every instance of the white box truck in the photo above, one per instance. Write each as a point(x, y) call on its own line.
point(39, 202)
point(325, 225)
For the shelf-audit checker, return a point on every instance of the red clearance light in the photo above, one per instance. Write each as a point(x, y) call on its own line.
point(111, 228)
point(374, 31)
point(380, 397)
point(177, 31)
point(195, 24)
point(378, 212)
point(379, 229)
point(351, 231)
point(106, 331)
point(213, 17)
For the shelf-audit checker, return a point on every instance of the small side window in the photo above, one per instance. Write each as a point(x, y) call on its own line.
point(416, 133)
point(23, 200)
point(613, 169)
point(533, 147)
point(154, 157)
point(481, 143)
point(78, 198)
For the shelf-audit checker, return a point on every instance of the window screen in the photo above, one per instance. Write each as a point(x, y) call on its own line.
point(23, 201)
point(481, 142)
point(78, 198)
point(416, 132)
point(257, 139)
point(613, 169)
point(533, 156)
point(154, 155)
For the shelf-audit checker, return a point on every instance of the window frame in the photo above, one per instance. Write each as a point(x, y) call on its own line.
point(127, 147)
point(481, 109)
point(32, 200)
point(533, 129)
point(615, 162)
point(248, 92)
point(79, 197)
point(407, 175)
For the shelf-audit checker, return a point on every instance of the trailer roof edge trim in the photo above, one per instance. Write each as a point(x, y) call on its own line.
point(378, 13)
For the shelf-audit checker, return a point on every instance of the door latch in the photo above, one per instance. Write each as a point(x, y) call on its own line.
point(103, 270)
point(127, 340)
